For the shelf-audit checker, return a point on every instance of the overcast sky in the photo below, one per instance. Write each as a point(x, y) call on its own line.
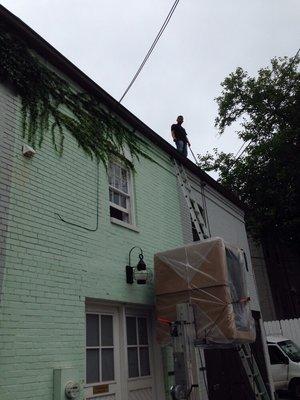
point(203, 43)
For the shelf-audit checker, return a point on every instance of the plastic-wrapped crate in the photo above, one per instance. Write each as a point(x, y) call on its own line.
point(210, 275)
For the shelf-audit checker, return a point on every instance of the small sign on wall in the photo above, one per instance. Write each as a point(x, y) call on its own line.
point(99, 389)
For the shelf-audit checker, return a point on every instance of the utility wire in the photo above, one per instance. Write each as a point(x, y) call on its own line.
point(240, 149)
point(163, 27)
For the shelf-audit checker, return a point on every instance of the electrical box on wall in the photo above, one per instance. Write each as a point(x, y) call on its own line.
point(67, 384)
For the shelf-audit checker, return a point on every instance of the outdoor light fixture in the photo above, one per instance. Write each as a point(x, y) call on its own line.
point(138, 273)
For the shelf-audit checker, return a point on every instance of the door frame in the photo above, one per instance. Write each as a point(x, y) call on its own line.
point(156, 366)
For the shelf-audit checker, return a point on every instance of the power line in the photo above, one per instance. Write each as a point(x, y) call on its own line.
point(240, 149)
point(163, 27)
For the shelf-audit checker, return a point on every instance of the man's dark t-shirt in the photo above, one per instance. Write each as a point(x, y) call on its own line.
point(180, 133)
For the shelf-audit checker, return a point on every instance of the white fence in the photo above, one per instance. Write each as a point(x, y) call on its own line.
point(289, 328)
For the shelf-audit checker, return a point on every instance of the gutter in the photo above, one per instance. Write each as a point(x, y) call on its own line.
point(48, 52)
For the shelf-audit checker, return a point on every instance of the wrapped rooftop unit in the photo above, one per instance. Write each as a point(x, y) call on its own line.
point(211, 276)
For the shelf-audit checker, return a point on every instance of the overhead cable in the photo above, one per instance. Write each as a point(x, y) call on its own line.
point(236, 154)
point(163, 27)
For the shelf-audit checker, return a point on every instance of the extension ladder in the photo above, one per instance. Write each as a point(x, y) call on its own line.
point(253, 373)
point(191, 201)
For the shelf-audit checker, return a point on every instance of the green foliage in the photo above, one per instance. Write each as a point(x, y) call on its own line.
point(266, 175)
point(50, 105)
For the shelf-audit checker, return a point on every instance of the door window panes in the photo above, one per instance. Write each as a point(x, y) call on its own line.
point(137, 346)
point(106, 330)
point(133, 362)
point(99, 348)
point(143, 331)
point(144, 361)
point(92, 365)
point(107, 364)
point(92, 330)
point(131, 331)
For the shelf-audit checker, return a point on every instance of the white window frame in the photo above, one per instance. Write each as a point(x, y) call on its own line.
point(129, 196)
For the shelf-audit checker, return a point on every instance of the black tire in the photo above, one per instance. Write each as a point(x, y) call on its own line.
point(295, 388)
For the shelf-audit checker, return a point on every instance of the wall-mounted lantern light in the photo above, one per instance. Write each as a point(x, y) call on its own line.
point(139, 273)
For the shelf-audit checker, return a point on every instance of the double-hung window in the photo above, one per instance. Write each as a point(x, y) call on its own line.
point(120, 192)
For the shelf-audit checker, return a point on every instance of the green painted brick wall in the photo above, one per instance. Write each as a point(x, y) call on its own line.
point(51, 267)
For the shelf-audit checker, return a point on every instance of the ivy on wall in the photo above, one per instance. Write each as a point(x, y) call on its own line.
point(50, 105)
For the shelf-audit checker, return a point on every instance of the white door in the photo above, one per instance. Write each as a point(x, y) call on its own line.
point(139, 351)
point(102, 353)
point(120, 355)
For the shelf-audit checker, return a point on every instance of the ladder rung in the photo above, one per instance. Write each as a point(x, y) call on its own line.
point(195, 212)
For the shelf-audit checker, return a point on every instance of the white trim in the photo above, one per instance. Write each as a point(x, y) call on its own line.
point(116, 206)
point(124, 224)
point(119, 190)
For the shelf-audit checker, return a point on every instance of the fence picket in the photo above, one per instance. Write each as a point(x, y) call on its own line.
point(289, 328)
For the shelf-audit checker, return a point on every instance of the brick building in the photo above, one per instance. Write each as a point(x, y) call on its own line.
point(67, 227)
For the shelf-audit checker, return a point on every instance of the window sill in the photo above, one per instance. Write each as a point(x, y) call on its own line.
point(124, 224)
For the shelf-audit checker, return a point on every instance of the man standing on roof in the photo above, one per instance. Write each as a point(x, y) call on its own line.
point(180, 137)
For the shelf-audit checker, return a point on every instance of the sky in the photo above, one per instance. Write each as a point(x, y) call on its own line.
point(204, 42)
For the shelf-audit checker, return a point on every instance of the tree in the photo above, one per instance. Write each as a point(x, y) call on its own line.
point(266, 173)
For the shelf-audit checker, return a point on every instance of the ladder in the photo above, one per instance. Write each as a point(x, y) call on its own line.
point(191, 201)
point(253, 373)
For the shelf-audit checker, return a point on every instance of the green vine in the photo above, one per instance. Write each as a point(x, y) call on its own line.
point(51, 105)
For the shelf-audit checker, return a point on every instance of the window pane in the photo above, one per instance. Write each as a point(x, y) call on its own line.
point(291, 350)
point(124, 174)
point(116, 198)
point(123, 201)
point(276, 357)
point(117, 171)
point(92, 365)
point(107, 365)
point(92, 330)
point(124, 186)
point(144, 360)
point(114, 213)
point(131, 330)
point(143, 333)
point(117, 183)
point(125, 217)
point(110, 195)
point(107, 330)
point(133, 369)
